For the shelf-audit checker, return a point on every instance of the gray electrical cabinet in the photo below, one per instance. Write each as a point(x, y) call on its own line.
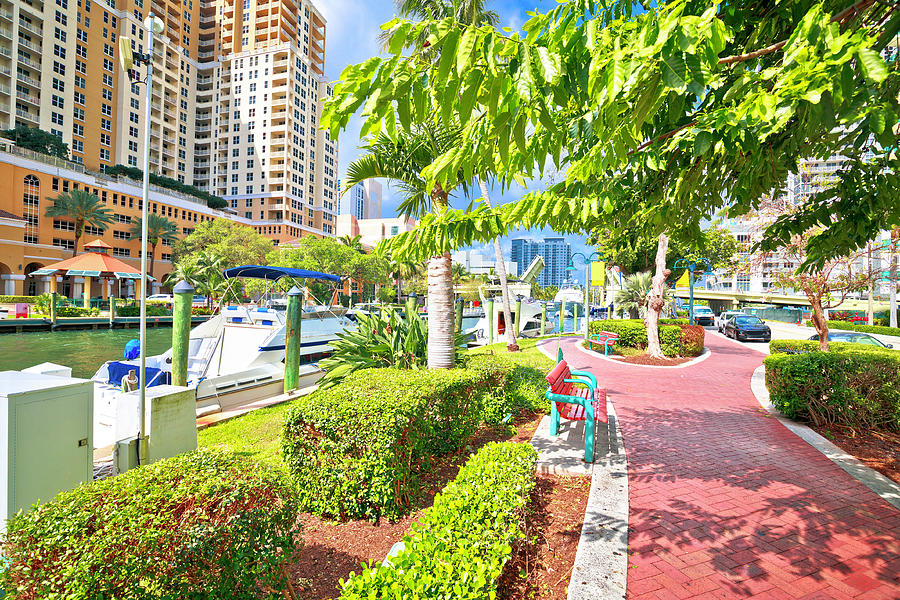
point(46, 427)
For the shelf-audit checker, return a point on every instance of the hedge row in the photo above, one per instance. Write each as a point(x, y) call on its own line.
point(202, 525)
point(676, 337)
point(167, 182)
point(17, 299)
point(813, 346)
point(853, 387)
point(356, 450)
point(464, 540)
point(848, 326)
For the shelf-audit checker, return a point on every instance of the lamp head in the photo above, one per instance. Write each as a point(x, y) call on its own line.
point(154, 24)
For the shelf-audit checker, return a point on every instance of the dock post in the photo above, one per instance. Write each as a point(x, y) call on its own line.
point(459, 315)
point(575, 309)
point(53, 309)
point(544, 319)
point(562, 316)
point(181, 331)
point(517, 318)
point(112, 310)
point(411, 307)
point(292, 340)
point(489, 313)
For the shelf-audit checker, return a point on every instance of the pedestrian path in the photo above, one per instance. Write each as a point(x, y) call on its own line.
point(725, 502)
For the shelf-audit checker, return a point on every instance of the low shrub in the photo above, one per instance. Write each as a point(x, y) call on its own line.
point(856, 388)
point(463, 541)
point(356, 449)
point(203, 525)
point(18, 299)
point(72, 311)
point(848, 326)
point(522, 388)
point(676, 337)
point(153, 310)
point(793, 346)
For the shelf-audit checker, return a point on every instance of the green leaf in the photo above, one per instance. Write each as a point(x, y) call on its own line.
point(702, 143)
point(872, 65)
point(466, 48)
point(549, 64)
point(519, 133)
point(674, 73)
point(448, 53)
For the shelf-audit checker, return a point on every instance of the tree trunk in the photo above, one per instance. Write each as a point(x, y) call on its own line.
point(79, 230)
point(819, 322)
point(399, 291)
point(655, 302)
point(152, 256)
point(511, 333)
point(441, 316)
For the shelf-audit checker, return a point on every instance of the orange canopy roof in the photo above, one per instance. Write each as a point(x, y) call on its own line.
point(93, 263)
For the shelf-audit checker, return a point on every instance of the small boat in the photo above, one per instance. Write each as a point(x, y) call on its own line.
point(235, 358)
point(529, 321)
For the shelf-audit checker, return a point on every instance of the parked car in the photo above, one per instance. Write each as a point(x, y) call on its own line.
point(853, 338)
point(703, 315)
point(161, 298)
point(723, 317)
point(747, 327)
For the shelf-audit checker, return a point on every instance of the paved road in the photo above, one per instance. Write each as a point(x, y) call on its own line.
point(787, 331)
point(725, 502)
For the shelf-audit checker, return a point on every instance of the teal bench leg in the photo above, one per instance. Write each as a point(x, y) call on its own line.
point(554, 419)
point(589, 432)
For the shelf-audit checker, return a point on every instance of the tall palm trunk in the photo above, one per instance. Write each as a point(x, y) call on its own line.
point(655, 302)
point(79, 231)
point(511, 333)
point(441, 316)
point(152, 258)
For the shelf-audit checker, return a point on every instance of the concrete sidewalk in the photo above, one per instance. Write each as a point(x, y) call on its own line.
point(725, 502)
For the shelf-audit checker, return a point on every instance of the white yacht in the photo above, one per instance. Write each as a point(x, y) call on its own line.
point(234, 358)
point(529, 321)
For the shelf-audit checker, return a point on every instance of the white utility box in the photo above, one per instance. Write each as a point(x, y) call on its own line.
point(46, 429)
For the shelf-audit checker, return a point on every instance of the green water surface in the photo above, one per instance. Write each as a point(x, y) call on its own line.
point(84, 351)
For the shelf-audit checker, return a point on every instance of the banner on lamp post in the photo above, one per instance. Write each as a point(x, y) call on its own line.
point(598, 273)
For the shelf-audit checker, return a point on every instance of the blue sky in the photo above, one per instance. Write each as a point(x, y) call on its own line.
point(353, 26)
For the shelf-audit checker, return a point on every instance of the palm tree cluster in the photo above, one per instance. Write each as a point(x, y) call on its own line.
point(204, 274)
point(82, 207)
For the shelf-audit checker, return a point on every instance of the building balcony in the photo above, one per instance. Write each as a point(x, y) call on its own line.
point(26, 115)
point(28, 98)
point(25, 61)
point(26, 44)
point(29, 81)
point(30, 27)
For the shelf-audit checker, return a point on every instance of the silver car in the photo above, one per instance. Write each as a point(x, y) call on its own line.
point(723, 317)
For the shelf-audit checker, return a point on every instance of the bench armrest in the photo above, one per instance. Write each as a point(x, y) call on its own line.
point(586, 374)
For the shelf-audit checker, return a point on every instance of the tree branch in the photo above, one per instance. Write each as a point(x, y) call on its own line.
point(662, 137)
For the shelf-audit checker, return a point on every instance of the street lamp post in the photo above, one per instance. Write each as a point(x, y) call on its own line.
point(691, 265)
point(587, 284)
point(129, 60)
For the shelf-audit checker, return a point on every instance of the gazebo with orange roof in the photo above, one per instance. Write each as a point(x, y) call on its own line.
point(94, 263)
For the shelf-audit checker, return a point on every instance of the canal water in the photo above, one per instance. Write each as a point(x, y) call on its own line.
point(84, 351)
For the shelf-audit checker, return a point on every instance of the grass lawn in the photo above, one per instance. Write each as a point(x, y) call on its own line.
point(257, 434)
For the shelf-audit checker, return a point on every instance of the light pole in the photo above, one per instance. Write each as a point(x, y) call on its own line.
point(587, 284)
point(129, 60)
point(691, 265)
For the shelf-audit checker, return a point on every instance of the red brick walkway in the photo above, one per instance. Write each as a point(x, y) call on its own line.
point(725, 502)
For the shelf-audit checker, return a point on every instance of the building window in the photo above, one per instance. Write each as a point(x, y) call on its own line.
point(62, 225)
point(121, 252)
point(91, 230)
point(61, 243)
point(121, 235)
point(122, 218)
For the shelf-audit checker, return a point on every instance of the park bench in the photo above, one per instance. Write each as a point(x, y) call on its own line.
point(574, 395)
point(604, 337)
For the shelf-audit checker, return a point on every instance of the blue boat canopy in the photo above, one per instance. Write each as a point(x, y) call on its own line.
point(276, 273)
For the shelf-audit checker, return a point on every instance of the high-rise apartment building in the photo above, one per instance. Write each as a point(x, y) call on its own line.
point(556, 252)
point(363, 200)
point(237, 91)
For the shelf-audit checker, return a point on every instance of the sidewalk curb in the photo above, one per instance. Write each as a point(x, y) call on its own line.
point(872, 479)
point(593, 353)
point(600, 570)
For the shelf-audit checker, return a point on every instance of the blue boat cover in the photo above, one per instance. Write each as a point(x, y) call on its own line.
point(132, 349)
point(118, 370)
point(276, 273)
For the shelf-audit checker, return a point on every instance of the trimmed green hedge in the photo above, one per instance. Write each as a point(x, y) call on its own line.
point(356, 449)
point(202, 525)
point(860, 389)
point(848, 326)
point(167, 182)
point(18, 299)
point(813, 346)
point(135, 311)
point(464, 540)
point(676, 337)
point(522, 388)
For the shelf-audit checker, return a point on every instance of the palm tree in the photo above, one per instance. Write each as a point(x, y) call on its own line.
point(158, 228)
point(183, 271)
point(402, 161)
point(633, 296)
point(401, 270)
point(84, 208)
point(466, 12)
point(352, 242)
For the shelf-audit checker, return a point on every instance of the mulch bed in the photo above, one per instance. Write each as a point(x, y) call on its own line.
point(643, 359)
point(331, 550)
point(879, 450)
point(541, 565)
